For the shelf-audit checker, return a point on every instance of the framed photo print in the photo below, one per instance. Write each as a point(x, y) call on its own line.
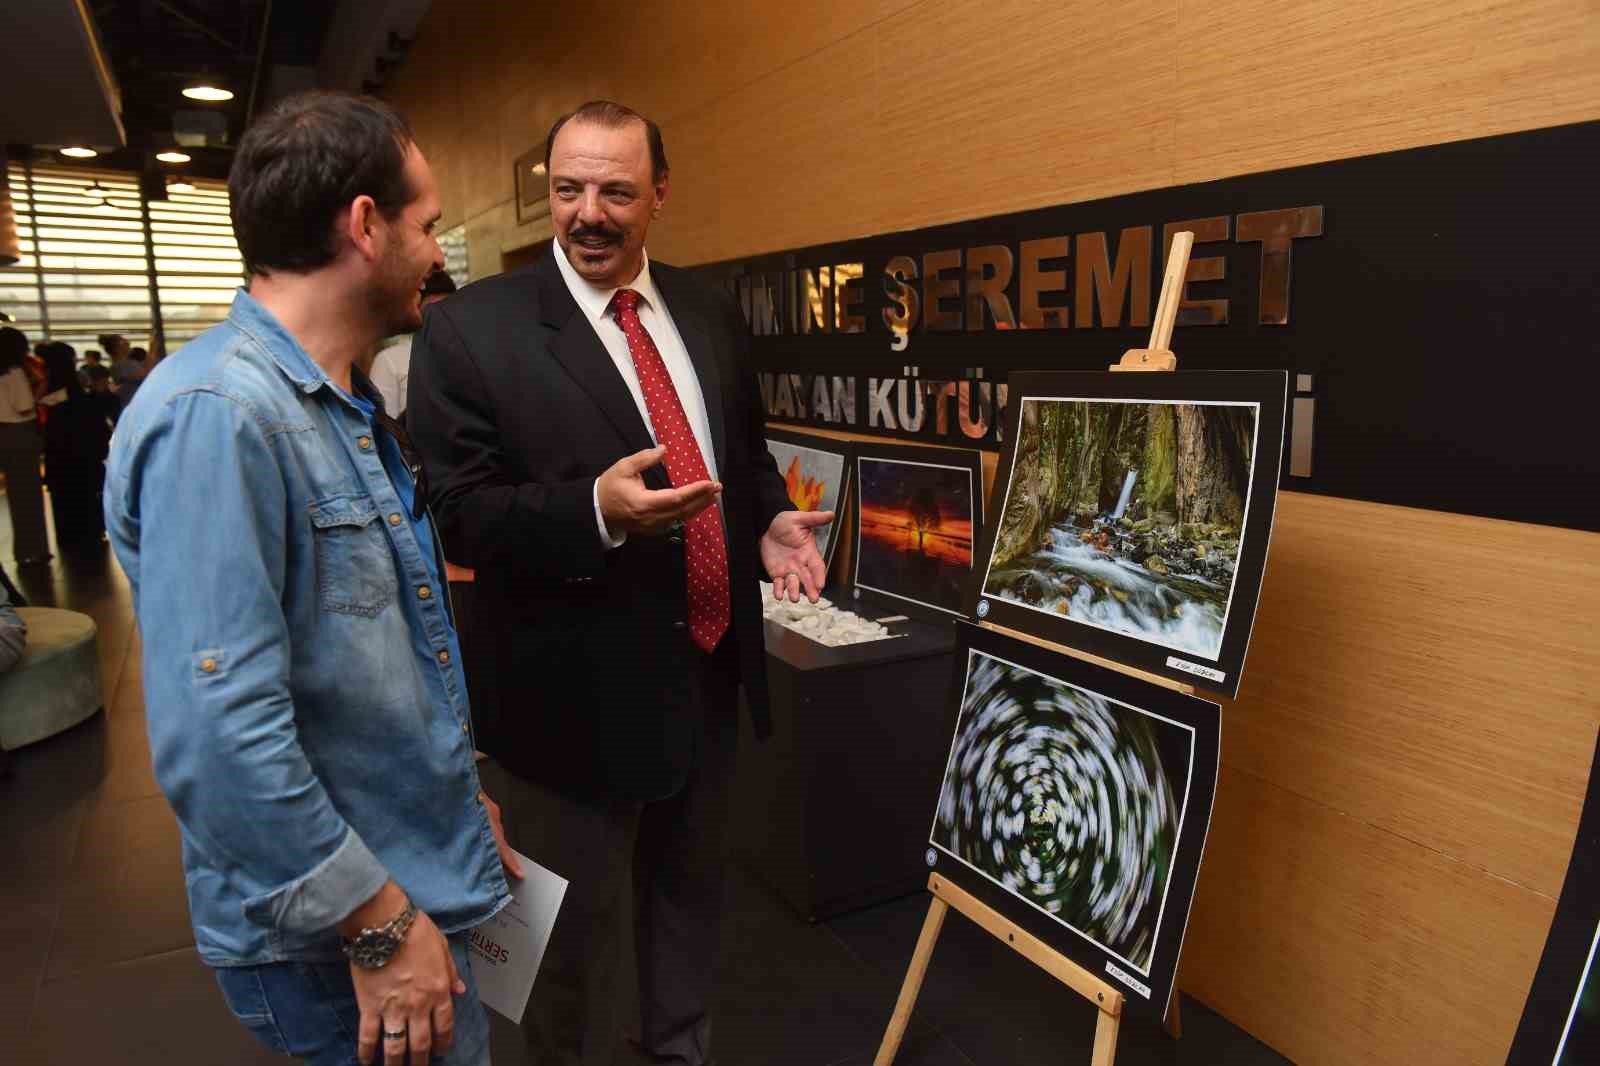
point(1133, 516)
point(532, 185)
point(1076, 802)
point(816, 471)
point(918, 516)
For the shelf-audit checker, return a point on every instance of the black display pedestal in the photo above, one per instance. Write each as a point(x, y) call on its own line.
point(834, 810)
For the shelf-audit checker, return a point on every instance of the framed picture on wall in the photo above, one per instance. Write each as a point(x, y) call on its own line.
point(1133, 516)
point(816, 471)
point(918, 515)
point(1076, 803)
point(532, 186)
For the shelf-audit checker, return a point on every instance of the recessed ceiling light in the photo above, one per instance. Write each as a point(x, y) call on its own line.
point(179, 186)
point(207, 92)
point(79, 152)
point(173, 157)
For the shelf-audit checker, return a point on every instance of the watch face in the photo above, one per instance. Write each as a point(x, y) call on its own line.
point(372, 950)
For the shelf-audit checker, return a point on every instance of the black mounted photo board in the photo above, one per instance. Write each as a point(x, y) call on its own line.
point(816, 472)
point(1561, 1021)
point(1075, 803)
point(1131, 516)
point(919, 514)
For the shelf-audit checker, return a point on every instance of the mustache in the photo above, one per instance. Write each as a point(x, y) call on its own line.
point(603, 233)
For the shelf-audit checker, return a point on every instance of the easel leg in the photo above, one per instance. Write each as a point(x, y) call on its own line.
point(913, 985)
point(1105, 1039)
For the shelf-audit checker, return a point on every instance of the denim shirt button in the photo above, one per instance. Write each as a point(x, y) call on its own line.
point(444, 655)
point(364, 443)
point(395, 519)
point(423, 592)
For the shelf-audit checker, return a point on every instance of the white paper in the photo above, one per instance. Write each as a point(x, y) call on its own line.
point(508, 948)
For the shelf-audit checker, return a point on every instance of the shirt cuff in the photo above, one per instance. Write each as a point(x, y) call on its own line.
point(606, 539)
point(324, 897)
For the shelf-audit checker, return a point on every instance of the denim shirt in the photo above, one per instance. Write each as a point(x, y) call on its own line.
point(303, 690)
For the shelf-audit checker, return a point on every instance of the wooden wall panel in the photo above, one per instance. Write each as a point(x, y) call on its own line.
point(1010, 104)
point(1339, 943)
point(1435, 675)
point(1275, 85)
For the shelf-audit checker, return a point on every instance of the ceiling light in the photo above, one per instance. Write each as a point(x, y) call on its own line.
point(207, 92)
point(79, 152)
point(173, 157)
point(179, 186)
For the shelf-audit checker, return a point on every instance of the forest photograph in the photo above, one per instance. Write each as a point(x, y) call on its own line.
point(914, 530)
point(1127, 516)
point(1068, 800)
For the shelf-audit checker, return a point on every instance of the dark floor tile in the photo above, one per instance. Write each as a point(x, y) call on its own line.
point(789, 992)
point(42, 809)
point(25, 931)
point(157, 1011)
point(128, 773)
point(125, 895)
point(925, 1048)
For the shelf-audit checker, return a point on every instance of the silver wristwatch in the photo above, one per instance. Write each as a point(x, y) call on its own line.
point(371, 949)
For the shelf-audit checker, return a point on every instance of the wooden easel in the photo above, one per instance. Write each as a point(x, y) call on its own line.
point(1107, 999)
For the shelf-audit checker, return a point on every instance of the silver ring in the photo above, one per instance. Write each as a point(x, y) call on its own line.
point(401, 1035)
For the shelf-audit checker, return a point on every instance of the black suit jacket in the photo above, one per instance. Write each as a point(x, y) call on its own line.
point(588, 676)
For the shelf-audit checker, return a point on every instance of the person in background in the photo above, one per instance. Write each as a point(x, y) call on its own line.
point(93, 370)
point(138, 360)
point(592, 429)
point(391, 368)
point(307, 711)
point(76, 435)
point(19, 451)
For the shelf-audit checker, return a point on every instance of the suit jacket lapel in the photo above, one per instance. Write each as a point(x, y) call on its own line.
point(697, 339)
point(579, 351)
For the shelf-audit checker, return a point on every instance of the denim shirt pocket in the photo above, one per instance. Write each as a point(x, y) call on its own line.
point(355, 568)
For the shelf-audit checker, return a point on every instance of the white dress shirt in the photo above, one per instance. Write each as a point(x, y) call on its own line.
point(391, 369)
point(656, 318)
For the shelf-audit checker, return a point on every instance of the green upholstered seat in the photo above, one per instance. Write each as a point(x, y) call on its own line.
point(56, 684)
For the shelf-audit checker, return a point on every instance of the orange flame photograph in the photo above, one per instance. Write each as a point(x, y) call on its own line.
point(815, 480)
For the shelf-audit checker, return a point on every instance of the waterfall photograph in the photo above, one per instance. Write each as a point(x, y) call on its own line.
point(1067, 799)
point(1127, 515)
point(915, 522)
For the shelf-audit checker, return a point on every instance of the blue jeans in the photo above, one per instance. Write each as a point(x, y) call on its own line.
point(308, 1010)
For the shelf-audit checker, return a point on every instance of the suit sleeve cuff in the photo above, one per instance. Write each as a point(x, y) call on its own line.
point(326, 895)
point(606, 539)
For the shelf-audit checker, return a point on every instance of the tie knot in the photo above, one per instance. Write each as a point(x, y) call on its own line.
point(625, 300)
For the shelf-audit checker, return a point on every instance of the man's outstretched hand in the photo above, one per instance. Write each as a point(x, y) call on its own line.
point(629, 507)
point(789, 554)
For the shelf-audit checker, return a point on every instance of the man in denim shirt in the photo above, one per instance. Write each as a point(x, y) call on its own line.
point(306, 707)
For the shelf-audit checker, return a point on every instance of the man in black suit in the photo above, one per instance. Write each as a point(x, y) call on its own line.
point(592, 432)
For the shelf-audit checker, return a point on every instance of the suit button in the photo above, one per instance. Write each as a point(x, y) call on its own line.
point(680, 625)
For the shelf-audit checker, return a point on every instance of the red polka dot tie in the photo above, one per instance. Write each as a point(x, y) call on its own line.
point(705, 552)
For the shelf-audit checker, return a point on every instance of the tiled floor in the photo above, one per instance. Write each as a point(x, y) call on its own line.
point(97, 962)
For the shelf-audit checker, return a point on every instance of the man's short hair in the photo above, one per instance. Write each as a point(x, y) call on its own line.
point(138, 355)
point(301, 164)
point(612, 116)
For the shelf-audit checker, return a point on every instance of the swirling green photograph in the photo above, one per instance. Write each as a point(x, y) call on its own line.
point(1068, 800)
